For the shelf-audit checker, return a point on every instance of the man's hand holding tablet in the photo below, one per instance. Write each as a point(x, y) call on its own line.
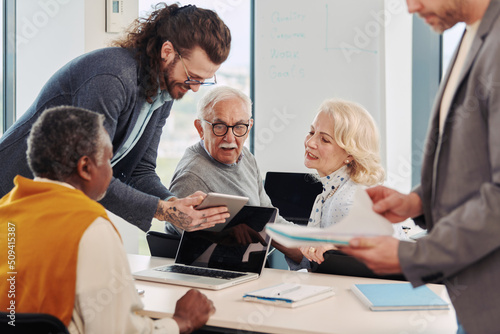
point(232, 202)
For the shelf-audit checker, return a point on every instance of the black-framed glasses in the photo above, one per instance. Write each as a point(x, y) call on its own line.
point(190, 81)
point(220, 129)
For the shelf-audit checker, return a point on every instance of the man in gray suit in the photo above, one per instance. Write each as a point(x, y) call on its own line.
point(458, 200)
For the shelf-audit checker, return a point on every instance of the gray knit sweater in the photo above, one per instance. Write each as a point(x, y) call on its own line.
point(197, 170)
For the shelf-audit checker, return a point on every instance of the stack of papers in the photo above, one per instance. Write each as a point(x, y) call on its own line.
point(398, 297)
point(290, 295)
point(362, 221)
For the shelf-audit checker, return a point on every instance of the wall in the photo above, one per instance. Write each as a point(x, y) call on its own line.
point(398, 81)
point(95, 34)
point(41, 26)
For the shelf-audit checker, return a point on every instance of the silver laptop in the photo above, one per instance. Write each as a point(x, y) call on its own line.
point(217, 260)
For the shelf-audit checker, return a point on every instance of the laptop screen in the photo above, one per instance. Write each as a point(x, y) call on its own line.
point(241, 246)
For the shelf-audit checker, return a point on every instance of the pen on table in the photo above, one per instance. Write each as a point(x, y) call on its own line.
point(289, 290)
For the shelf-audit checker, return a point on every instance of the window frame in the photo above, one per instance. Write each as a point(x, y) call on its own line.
point(9, 64)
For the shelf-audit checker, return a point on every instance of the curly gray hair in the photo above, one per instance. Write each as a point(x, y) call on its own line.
point(60, 137)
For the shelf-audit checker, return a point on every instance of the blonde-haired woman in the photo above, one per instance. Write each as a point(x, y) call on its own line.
point(343, 147)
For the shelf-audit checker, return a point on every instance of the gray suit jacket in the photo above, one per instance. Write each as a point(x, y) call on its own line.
point(106, 81)
point(460, 189)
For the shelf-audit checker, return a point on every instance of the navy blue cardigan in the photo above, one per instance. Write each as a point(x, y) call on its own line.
point(106, 81)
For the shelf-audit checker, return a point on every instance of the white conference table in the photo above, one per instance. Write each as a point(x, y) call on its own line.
point(343, 313)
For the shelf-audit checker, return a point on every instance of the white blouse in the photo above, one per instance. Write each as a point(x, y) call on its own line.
point(334, 203)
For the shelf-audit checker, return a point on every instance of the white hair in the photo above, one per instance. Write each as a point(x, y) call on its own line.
point(219, 94)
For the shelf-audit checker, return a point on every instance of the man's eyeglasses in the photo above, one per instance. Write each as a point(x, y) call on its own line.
point(220, 129)
point(190, 81)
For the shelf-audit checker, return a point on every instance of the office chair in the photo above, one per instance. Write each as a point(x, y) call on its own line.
point(162, 244)
point(293, 194)
point(32, 323)
point(338, 263)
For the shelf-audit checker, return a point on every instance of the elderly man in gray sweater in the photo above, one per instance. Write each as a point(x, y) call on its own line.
point(219, 162)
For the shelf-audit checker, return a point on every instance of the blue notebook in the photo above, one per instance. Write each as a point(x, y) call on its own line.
point(398, 297)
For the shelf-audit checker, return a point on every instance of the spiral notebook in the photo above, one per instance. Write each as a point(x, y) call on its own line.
point(290, 295)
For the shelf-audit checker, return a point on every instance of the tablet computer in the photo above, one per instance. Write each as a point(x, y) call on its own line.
point(234, 204)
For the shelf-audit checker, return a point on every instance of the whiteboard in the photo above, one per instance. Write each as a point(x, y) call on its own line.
point(306, 52)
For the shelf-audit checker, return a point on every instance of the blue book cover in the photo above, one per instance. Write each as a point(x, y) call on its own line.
point(398, 297)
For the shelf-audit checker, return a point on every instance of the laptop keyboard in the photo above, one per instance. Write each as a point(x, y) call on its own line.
point(200, 272)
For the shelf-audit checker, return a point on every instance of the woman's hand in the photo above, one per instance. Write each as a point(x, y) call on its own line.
point(316, 253)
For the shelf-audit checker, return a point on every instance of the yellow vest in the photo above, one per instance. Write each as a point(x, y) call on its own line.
point(41, 225)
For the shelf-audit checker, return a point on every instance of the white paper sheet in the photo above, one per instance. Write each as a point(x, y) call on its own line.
point(361, 221)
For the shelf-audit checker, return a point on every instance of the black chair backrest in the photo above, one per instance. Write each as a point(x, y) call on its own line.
point(31, 323)
point(338, 263)
point(162, 244)
point(293, 194)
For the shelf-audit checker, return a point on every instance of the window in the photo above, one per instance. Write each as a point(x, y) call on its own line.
point(179, 132)
point(7, 58)
point(2, 113)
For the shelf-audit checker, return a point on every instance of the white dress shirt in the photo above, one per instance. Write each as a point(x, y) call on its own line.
point(452, 84)
point(106, 300)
